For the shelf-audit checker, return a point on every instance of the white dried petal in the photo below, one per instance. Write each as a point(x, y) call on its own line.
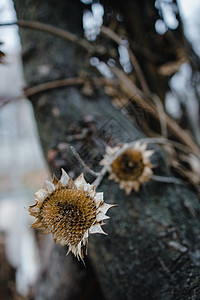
point(34, 209)
point(136, 186)
point(148, 153)
point(98, 198)
point(101, 217)
point(96, 229)
point(79, 249)
point(80, 181)
point(88, 187)
point(86, 234)
point(137, 145)
point(145, 176)
point(105, 207)
point(41, 194)
point(142, 147)
point(111, 151)
point(105, 161)
point(64, 178)
point(50, 186)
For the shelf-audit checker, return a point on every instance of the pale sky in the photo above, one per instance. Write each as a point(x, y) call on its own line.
point(190, 11)
point(9, 34)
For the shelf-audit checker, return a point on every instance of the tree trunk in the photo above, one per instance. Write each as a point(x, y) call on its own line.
point(152, 247)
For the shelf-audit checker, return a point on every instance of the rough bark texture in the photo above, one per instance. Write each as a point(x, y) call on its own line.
point(152, 247)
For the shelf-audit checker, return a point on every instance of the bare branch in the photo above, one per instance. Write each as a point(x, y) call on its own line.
point(53, 30)
point(126, 84)
point(161, 114)
point(132, 91)
point(115, 37)
point(43, 87)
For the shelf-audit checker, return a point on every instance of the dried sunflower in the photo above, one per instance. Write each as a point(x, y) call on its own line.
point(71, 211)
point(131, 167)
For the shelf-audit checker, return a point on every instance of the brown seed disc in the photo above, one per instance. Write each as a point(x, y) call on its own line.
point(69, 213)
point(129, 165)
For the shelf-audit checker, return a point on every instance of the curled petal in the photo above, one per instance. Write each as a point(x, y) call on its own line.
point(41, 194)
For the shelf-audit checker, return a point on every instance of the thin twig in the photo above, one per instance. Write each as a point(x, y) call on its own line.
point(53, 85)
point(98, 180)
point(134, 92)
point(55, 31)
point(167, 179)
point(141, 97)
point(165, 141)
point(161, 113)
point(112, 35)
point(2, 104)
point(127, 85)
point(139, 72)
point(43, 87)
point(75, 153)
point(115, 37)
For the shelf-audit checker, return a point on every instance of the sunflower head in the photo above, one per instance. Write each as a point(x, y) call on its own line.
point(71, 211)
point(131, 167)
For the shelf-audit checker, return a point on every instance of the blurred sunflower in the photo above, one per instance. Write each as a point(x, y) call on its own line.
point(130, 168)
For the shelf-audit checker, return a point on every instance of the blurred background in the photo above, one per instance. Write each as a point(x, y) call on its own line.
point(18, 135)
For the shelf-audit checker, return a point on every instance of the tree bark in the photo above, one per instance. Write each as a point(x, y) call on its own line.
point(152, 247)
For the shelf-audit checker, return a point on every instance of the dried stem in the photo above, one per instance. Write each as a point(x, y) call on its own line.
point(75, 153)
point(167, 179)
point(53, 30)
point(138, 96)
point(11, 100)
point(126, 84)
point(57, 84)
point(161, 113)
point(53, 85)
point(115, 37)
point(164, 141)
point(132, 91)
point(100, 177)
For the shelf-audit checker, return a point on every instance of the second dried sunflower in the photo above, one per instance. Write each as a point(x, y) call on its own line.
point(130, 168)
